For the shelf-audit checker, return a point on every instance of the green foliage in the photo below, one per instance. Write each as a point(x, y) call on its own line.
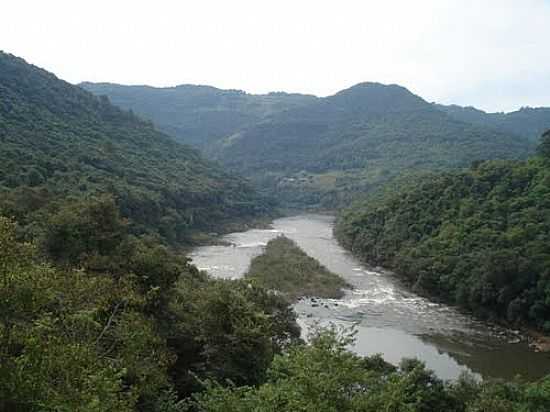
point(477, 238)
point(131, 329)
point(82, 228)
point(325, 376)
point(59, 141)
point(54, 332)
point(236, 330)
point(367, 135)
point(527, 122)
point(198, 115)
point(544, 146)
point(287, 269)
point(321, 152)
point(97, 313)
point(89, 340)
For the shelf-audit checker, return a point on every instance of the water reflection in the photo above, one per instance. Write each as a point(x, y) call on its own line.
point(390, 319)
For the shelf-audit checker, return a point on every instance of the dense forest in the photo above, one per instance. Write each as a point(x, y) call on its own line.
point(98, 312)
point(477, 238)
point(93, 318)
point(527, 122)
point(322, 152)
point(61, 143)
point(351, 143)
point(151, 333)
point(325, 376)
point(198, 115)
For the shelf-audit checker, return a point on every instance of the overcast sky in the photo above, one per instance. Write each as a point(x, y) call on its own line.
point(493, 54)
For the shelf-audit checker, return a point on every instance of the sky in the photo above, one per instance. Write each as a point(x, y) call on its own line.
point(491, 54)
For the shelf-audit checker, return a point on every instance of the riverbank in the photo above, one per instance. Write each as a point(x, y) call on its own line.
point(390, 318)
point(499, 328)
point(201, 238)
point(286, 268)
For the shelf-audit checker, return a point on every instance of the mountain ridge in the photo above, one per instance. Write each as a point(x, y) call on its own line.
point(528, 122)
point(60, 141)
point(197, 114)
point(367, 129)
point(325, 151)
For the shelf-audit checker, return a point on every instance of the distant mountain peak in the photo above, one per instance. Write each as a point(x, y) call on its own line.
point(375, 86)
point(378, 97)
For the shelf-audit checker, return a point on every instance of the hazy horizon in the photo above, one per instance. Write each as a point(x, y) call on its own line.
point(294, 92)
point(492, 55)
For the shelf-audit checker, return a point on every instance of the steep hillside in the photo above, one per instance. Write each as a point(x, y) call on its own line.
point(477, 238)
point(527, 122)
point(357, 139)
point(320, 152)
point(59, 141)
point(367, 123)
point(198, 115)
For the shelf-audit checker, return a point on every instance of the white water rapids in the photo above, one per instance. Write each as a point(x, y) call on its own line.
point(390, 319)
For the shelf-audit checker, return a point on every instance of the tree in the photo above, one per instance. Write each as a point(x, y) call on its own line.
point(83, 230)
point(544, 145)
point(326, 376)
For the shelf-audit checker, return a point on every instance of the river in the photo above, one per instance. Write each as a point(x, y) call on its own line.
point(389, 318)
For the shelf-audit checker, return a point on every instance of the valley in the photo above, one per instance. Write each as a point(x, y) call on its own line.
point(326, 152)
point(119, 291)
point(389, 317)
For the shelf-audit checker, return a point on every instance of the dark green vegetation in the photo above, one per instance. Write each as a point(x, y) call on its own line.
point(286, 268)
point(477, 238)
point(95, 319)
point(361, 125)
point(98, 313)
point(528, 122)
point(350, 143)
point(198, 115)
point(325, 377)
point(322, 152)
point(61, 142)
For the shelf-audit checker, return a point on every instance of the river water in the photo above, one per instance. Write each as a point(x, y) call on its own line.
point(389, 318)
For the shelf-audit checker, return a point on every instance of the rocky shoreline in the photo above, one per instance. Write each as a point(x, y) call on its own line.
point(536, 341)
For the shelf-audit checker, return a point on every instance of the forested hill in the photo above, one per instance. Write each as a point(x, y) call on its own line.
point(61, 142)
point(319, 151)
point(198, 115)
point(477, 238)
point(527, 122)
point(365, 125)
point(353, 141)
